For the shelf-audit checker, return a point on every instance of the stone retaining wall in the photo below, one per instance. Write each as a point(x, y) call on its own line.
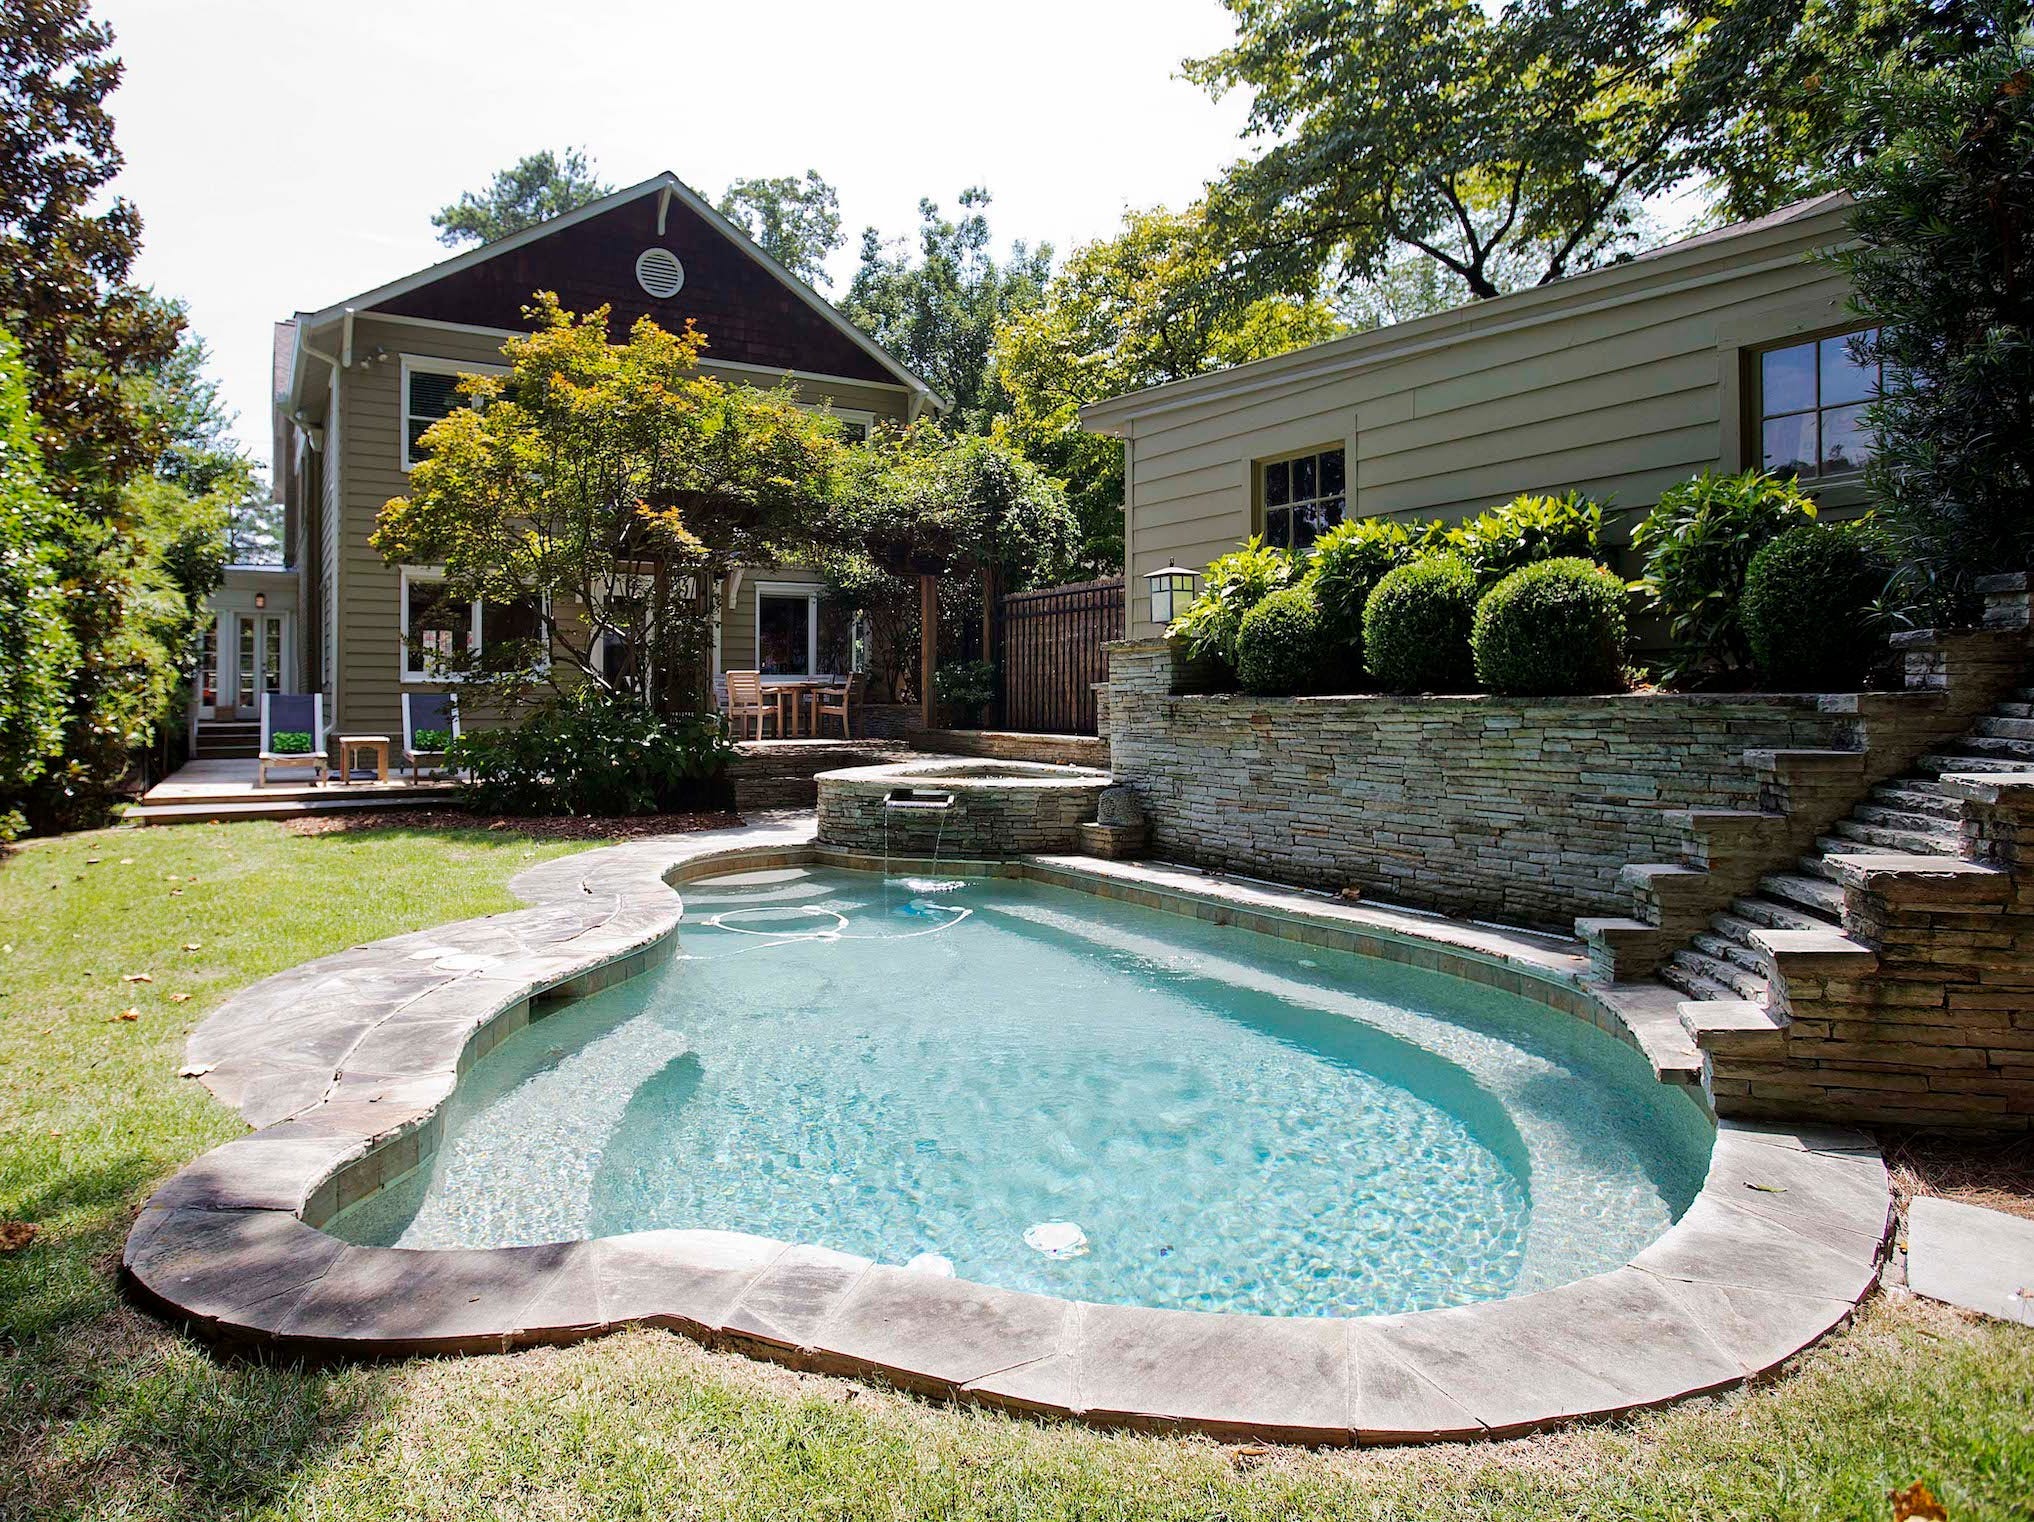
point(777, 774)
point(1033, 809)
point(1523, 809)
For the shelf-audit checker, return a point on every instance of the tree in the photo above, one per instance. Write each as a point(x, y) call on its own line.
point(1150, 305)
point(1532, 132)
point(1944, 259)
point(536, 188)
point(34, 634)
point(796, 222)
point(940, 314)
point(590, 483)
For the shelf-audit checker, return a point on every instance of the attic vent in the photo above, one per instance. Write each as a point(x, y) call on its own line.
point(659, 272)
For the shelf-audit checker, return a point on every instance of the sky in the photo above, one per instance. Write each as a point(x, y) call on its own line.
point(286, 155)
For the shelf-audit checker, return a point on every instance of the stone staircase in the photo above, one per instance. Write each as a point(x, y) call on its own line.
point(1916, 815)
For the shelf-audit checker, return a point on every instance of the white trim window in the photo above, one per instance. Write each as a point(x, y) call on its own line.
point(856, 423)
point(430, 391)
point(787, 628)
point(1304, 496)
point(442, 637)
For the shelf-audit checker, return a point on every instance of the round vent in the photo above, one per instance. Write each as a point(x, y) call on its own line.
point(659, 272)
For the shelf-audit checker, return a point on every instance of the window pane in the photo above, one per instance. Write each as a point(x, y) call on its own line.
point(245, 642)
point(208, 691)
point(783, 636)
point(1790, 445)
point(1309, 523)
point(271, 655)
point(1305, 485)
point(1843, 378)
point(1278, 484)
point(1787, 379)
point(511, 634)
point(1278, 528)
point(433, 396)
point(1846, 441)
point(1332, 479)
point(441, 628)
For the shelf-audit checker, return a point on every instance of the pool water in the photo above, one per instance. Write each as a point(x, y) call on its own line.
point(1178, 1114)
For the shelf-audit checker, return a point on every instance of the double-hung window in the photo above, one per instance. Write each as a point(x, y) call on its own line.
point(1811, 402)
point(443, 636)
point(1304, 497)
point(431, 392)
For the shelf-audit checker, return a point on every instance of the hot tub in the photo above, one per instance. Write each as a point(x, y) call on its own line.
point(960, 808)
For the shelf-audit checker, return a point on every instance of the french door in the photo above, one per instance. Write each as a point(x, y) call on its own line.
point(256, 654)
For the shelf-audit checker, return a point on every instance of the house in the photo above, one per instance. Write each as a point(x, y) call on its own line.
point(1721, 351)
point(357, 383)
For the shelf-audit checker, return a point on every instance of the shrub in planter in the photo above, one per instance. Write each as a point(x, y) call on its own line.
point(1233, 584)
point(1347, 564)
point(1809, 605)
point(1416, 626)
point(1283, 646)
point(1698, 543)
point(1526, 530)
point(1552, 628)
point(592, 753)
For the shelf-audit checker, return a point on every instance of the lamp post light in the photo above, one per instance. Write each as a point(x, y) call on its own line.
point(1173, 589)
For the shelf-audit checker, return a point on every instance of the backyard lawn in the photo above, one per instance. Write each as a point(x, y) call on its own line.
point(106, 1413)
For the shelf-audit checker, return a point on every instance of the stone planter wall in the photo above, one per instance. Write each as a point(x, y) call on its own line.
point(1521, 809)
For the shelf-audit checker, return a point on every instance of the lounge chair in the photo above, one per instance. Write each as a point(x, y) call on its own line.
point(745, 699)
point(424, 712)
point(839, 703)
point(284, 713)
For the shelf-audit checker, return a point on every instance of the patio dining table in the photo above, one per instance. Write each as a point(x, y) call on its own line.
point(799, 693)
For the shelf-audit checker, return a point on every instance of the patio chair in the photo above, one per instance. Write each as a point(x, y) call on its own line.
point(746, 699)
point(284, 713)
point(840, 703)
point(423, 713)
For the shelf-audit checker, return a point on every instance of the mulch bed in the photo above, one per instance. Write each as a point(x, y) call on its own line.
point(636, 827)
point(1996, 1172)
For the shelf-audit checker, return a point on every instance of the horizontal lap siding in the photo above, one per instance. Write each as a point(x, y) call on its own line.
point(1619, 398)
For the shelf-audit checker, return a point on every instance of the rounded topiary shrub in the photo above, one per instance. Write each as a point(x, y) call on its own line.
point(1282, 646)
point(1807, 608)
point(1416, 626)
point(1552, 628)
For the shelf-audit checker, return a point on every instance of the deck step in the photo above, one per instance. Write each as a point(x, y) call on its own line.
point(201, 812)
point(1818, 895)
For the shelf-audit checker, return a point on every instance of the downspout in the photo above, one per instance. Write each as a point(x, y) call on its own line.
point(338, 487)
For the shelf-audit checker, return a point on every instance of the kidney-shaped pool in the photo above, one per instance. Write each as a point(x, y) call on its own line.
point(1034, 1088)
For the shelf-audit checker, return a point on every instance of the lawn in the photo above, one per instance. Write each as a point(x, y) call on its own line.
point(106, 1413)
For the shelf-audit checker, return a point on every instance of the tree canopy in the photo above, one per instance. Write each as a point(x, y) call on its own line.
point(794, 221)
point(1150, 305)
point(1528, 135)
point(939, 312)
point(536, 188)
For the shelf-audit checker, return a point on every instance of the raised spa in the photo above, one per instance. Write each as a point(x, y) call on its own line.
point(958, 808)
point(1033, 1088)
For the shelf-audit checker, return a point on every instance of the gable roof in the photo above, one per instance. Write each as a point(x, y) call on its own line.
point(445, 278)
point(1773, 235)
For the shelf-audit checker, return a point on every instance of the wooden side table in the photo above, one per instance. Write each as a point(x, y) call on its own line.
point(349, 744)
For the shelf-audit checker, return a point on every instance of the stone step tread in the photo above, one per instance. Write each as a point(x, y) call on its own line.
point(1916, 796)
point(1890, 816)
point(2007, 727)
point(1773, 914)
point(1819, 895)
point(1693, 984)
point(1937, 765)
point(2015, 710)
point(1741, 981)
point(1995, 745)
point(1921, 842)
point(1725, 948)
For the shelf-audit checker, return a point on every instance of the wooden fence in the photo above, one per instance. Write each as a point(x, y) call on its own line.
point(1049, 649)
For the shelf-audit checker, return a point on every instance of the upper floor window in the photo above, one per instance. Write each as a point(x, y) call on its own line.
point(1812, 398)
point(1303, 498)
point(431, 392)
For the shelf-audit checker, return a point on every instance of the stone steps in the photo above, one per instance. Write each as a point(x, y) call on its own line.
point(1818, 895)
point(1933, 839)
point(1931, 800)
point(2002, 747)
point(1724, 945)
point(1772, 914)
point(1675, 975)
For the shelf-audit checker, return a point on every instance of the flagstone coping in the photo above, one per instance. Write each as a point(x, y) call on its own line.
point(342, 1065)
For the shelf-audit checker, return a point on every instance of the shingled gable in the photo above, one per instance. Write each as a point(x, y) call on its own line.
point(751, 311)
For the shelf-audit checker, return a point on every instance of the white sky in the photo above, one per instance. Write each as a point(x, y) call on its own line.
point(286, 154)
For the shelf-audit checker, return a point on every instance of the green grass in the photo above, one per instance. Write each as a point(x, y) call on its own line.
point(105, 1413)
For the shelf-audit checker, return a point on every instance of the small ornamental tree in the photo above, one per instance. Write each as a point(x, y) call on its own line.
point(1944, 260)
point(603, 490)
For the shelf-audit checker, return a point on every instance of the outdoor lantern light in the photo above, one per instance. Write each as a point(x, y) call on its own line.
point(1172, 590)
point(261, 599)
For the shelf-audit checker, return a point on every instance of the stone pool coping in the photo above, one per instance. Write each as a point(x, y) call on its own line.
point(344, 1062)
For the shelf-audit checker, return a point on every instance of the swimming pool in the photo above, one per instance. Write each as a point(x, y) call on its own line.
point(1036, 1089)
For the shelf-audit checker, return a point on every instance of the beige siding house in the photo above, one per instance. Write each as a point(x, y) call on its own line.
point(358, 380)
point(1710, 353)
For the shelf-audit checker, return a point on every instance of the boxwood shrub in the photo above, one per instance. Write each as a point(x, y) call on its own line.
point(1551, 628)
point(1347, 564)
point(1416, 626)
point(1283, 647)
point(1808, 606)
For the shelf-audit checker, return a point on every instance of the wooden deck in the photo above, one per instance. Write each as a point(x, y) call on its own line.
point(199, 791)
